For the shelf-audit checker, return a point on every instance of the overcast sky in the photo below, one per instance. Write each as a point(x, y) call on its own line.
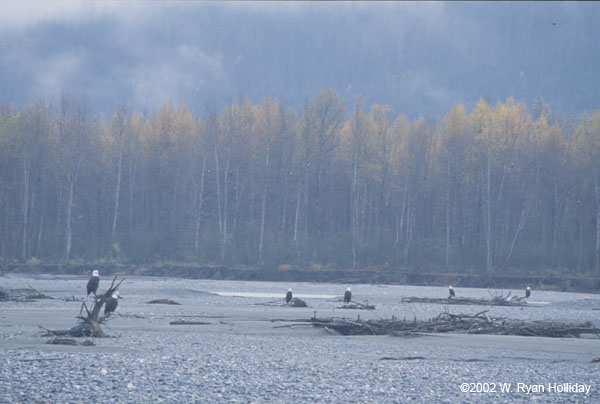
point(418, 57)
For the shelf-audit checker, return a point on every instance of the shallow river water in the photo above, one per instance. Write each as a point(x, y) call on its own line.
point(249, 352)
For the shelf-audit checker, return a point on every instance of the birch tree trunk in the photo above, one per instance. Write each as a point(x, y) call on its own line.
point(238, 197)
point(408, 238)
point(354, 213)
point(488, 233)
point(296, 215)
point(117, 190)
point(225, 204)
point(597, 194)
point(264, 198)
point(69, 237)
point(216, 152)
point(72, 180)
point(25, 207)
point(198, 202)
point(524, 214)
point(448, 214)
point(131, 167)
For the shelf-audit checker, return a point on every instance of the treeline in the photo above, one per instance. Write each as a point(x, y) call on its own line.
point(496, 189)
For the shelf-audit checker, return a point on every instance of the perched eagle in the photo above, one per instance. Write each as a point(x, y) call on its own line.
point(348, 295)
point(92, 285)
point(111, 303)
point(288, 296)
point(527, 291)
point(451, 291)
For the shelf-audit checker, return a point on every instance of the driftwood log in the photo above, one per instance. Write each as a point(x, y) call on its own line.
point(480, 323)
point(21, 295)
point(467, 301)
point(187, 322)
point(69, 341)
point(357, 306)
point(295, 302)
point(498, 300)
point(164, 301)
point(89, 325)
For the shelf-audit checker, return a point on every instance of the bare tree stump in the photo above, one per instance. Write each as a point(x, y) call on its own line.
point(89, 326)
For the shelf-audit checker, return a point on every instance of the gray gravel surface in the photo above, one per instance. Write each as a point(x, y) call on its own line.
point(244, 356)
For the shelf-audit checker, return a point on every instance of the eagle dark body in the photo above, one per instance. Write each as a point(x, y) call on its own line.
point(347, 296)
point(288, 296)
point(111, 305)
point(92, 285)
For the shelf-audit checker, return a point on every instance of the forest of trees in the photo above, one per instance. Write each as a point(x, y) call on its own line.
point(498, 189)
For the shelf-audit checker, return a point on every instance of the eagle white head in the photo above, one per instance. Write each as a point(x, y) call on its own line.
point(290, 289)
point(95, 273)
point(450, 287)
point(349, 289)
point(116, 294)
point(528, 288)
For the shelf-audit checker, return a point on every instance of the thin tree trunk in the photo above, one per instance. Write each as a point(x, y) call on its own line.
point(117, 191)
point(318, 198)
point(69, 239)
point(40, 192)
point(38, 248)
point(305, 200)
point(523, 219)
point(408, 233)
point(296, 216)
point(488, 240)
point(580, 225)
point(238, 197)
point(448, 214)
point(264, 200)
point(380, 222)
point(218, 188)
point(72, 180)
point(597, 193)
point(131, 165)
point(59, 205)
point(283, 214)
point(402, 212)
point(363, 226)
point(397, 238)
point(198, 208)
point(25, 208)
point(225, 204)
point(354, 217)
point(555, 224)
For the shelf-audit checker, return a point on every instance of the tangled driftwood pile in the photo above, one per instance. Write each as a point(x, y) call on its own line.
point(295, 302)
point(480, 323)
point(498, 300)
point(21, 295)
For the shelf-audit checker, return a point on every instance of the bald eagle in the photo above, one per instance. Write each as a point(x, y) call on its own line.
point(112, 303)
point(451, 292)
point(288, 296)
point(92, 285)
point(348, 295)
point(527, 291)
